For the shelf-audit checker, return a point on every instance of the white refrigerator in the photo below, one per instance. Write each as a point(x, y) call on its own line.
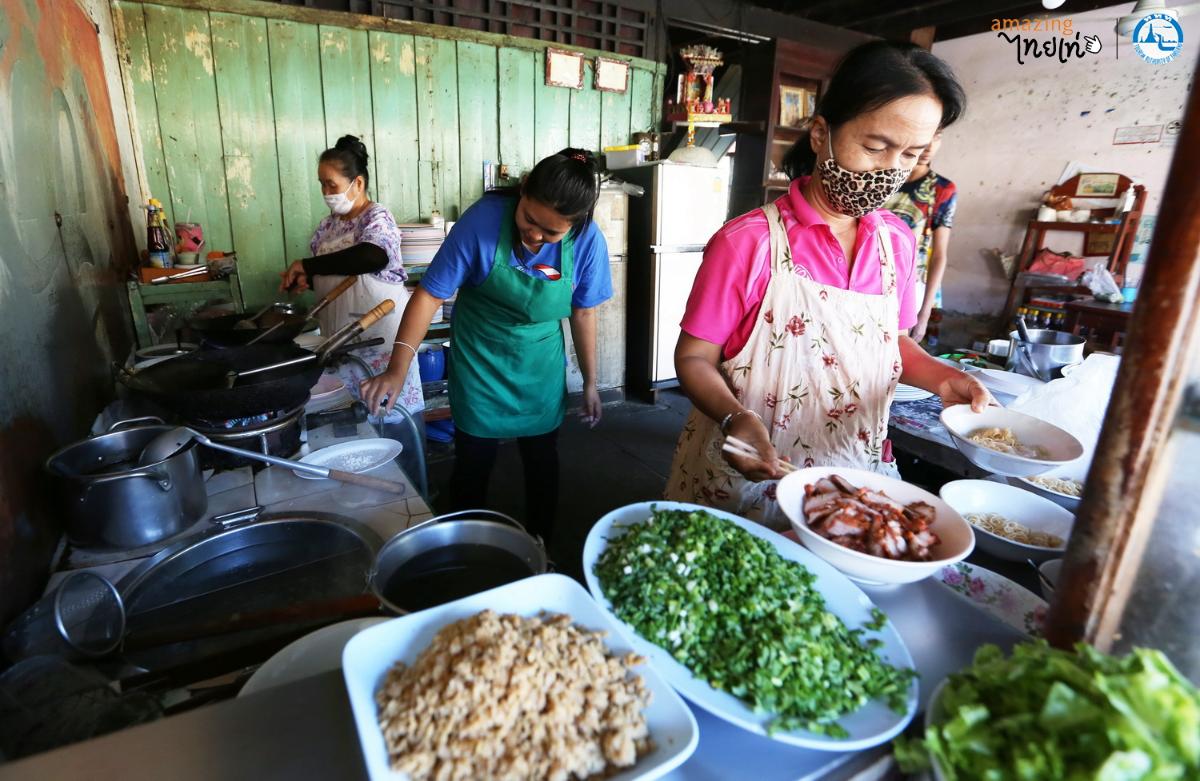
point(683, 207)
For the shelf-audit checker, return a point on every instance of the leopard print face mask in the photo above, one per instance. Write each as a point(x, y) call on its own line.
point(855, 193)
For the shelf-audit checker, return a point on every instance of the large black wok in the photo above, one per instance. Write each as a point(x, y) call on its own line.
point(226, 383)
point(278, 324)
point(222, 331)
point(196, 385)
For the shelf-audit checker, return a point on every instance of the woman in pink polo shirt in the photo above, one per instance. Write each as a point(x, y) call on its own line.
point(794, 334)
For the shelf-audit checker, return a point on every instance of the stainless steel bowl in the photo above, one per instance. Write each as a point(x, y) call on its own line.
point(452, 556)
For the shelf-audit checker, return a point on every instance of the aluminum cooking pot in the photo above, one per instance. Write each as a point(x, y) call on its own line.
point(1049, 350)
point(112, 501)
point(452, 556)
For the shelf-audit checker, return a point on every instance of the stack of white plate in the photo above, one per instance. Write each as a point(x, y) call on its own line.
point(909, 393)
point(419, 242)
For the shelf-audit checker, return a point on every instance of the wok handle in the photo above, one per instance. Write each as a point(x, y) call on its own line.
point(348, 332)
point(378, 313)
point(278, 365)
point(366, 481)
point(342, 287)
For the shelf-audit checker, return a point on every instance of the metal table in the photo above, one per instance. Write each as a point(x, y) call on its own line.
point(305, 730)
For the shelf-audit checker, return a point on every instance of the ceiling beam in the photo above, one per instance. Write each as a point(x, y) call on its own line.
point(735, 15)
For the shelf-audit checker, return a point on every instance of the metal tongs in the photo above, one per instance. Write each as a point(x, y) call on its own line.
point(217, 268)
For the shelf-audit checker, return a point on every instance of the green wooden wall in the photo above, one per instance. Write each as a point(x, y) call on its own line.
point(232, 108)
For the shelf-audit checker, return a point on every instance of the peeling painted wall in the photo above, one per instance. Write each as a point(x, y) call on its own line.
point(233, 108)
point(1024, 123)
point(64, 239)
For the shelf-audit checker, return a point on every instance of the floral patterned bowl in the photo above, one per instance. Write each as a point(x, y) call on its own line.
point(1013, 604)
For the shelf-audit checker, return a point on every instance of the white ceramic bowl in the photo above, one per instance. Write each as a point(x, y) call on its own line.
point(1048, 577)
point(957, 539)
point(1074, 471)
point(1061, 447)
point(1027, 509)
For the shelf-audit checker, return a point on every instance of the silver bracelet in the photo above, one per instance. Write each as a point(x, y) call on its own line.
point(729, 418)
point(409, 346)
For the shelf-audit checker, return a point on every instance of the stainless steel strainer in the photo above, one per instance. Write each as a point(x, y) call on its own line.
point(83, 618)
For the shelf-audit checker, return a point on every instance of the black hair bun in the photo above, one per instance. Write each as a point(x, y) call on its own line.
point(355, 146)
point(584, 157)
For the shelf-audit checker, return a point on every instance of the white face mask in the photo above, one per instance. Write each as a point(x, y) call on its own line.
point(340, 203)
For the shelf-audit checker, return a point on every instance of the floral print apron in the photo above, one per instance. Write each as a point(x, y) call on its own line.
point(820, 367)
point(366, 293)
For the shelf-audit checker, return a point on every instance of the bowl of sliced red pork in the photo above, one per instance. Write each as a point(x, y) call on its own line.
point(874, 528)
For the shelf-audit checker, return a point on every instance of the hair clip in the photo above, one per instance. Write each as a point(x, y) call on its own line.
point(578, 156)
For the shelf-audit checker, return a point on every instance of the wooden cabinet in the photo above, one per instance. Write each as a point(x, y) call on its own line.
point(772, 70)
point(1110, 240)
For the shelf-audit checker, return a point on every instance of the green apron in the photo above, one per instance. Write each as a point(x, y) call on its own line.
point(507, 365)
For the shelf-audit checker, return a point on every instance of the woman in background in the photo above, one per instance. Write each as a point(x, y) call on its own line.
point(926, 202)
point(359, 238)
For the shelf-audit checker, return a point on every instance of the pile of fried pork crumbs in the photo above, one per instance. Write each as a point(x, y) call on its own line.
point(505, 697)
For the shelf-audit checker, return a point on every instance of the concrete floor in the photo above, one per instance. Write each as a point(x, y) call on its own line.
point(625, 459)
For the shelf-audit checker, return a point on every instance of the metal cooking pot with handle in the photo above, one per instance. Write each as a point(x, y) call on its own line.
point(1049, 350)
point(112, 501)
point(454, 555)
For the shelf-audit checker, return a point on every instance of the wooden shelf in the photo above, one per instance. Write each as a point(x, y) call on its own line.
point(1086, 227)
point(748, 128)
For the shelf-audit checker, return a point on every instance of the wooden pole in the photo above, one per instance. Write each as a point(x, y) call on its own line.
point(1124, 486)
point(923, 37)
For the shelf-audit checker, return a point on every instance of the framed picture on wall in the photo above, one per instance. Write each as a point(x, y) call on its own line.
point(795, 105)
point(1098, 243)
point(1098, 185)
point(564, 68)
point(611, 75)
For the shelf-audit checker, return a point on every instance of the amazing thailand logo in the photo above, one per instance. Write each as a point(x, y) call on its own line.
point(1158, 38)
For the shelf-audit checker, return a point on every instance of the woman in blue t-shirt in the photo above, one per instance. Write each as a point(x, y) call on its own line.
point(522, 261)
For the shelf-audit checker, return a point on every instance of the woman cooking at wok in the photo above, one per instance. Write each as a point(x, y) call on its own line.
point(359, 238)
point(793, 337)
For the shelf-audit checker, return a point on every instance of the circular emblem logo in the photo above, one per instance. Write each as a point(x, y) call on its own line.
point(1158, 38)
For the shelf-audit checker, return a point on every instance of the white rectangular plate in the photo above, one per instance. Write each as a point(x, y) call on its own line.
point(370, 654)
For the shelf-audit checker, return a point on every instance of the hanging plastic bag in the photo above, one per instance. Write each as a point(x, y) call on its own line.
point(1102, 285)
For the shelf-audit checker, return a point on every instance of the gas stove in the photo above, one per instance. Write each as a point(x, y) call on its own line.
point(278, 433)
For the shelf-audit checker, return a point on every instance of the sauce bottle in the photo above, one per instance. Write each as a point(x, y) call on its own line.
point(158, 247)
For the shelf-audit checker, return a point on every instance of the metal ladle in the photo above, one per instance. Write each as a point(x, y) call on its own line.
point(171, 442)
point(1023, 348)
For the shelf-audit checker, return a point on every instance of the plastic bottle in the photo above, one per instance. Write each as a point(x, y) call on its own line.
point(158, 247)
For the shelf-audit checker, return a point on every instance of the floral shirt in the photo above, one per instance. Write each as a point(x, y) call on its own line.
point(925, 205)
point(375, 225)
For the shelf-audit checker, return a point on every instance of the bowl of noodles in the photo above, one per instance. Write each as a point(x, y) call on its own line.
point(1009, 443)
point(1010, 523)
point(1063, 486)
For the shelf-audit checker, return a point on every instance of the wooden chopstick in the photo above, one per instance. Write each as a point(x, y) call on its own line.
point(739, 447)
